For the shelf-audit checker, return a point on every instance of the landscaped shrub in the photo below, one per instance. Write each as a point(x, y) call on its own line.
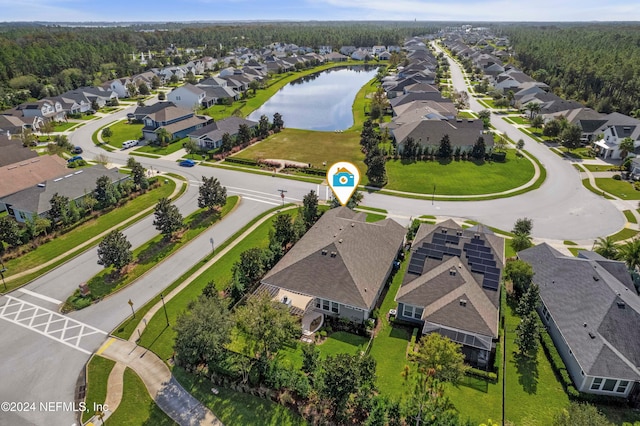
point(486, 375)
point(617, 177)
point(499, 156)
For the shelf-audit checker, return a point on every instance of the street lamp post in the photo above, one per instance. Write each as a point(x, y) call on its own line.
point(165, 308)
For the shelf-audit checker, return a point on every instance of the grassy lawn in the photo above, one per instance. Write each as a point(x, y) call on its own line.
point(339, 342)
point(574, 250)
point(137, 407)
point(587, 184)
point(389, 350)
point(579, 153)
point(309, 146)
point(459, 177)
point(67, 243)
point(599, 168)
point(533, 394)
point(630, 217)
point(150, 254)
point(123, 131)
point(98, 371)
point(467, 114)
point(159, 150)
point(235, 408)
point(157, 336)
point(62, 126)
point(373, 217)
point(519, 120)
point(619, 188)
point(624, 234)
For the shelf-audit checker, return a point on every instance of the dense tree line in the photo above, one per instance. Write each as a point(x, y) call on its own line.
point(44, 60)
point(595, 64)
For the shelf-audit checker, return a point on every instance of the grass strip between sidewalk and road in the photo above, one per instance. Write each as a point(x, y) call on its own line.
point(70, 244)
point(149, 255)
point(98, 369)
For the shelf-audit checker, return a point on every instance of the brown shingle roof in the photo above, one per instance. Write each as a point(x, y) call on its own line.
point(341, 258)
point(18, 176)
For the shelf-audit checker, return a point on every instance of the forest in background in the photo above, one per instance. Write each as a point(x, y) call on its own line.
point(597, 64)
point(37, 61)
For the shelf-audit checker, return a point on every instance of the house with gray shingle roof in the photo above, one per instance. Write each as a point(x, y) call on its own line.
point(339, 267)
point(430, 132)
point(451, 286)
point(592, 312)
point(34, 200)
point(210, 136)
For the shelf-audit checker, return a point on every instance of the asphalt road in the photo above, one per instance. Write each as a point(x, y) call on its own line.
point(42, 353)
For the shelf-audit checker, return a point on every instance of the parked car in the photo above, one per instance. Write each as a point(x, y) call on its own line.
point(187, 163)
point(76, 150)
point(129, 144)
point(74, 158)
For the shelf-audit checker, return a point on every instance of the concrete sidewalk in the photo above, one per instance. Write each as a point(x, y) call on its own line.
point(170, 396)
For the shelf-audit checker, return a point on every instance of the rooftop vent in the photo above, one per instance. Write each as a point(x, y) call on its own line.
point(621, 304)
point(459, 233)
point(463, 302)
point(444, 231)
point(353, 224)
point(334, 254)
point(452, 271)
point(41, 185)
point(584, 325)
point(324, 252)
point(340, 240)
point(476, 236)
point(595, 278)
point(593, 336)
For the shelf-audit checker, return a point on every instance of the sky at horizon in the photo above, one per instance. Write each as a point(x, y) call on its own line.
point(319, 10)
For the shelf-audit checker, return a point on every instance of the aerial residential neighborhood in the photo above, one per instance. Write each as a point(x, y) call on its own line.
point(350, 221)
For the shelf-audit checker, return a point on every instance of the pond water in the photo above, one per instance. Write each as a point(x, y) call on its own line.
point(320, 101)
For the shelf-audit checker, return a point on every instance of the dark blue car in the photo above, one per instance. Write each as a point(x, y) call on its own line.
point(187, 163)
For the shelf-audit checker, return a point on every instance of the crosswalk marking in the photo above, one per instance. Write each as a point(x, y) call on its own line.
point(51, 324)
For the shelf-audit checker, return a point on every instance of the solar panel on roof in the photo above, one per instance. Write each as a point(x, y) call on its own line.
point(439, 237)
point(453, 239)
point(480, 269)
point(483, 248)
point(477, 241)
point(488, 262)
point(435, 254)
point(494, 277)
point(493, 270)
point(485, 255)
point(452, 251)
point(473, 253)
point(490, 284)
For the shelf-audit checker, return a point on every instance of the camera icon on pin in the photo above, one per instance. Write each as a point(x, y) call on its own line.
point(343, 178)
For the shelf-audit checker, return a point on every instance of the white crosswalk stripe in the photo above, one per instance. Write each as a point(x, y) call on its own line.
point(48, 323)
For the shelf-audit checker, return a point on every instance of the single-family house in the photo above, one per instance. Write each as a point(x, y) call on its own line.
point(452, 286)
point(12, 151)
point(384, 56)
point(333, 269)
point(591, 309)
point(187, 96)
point(462, 134)
point(617, 128)
point(34, 200)
point(178, 122)
point(360, 54)
point(376, 50)
point(48, 110)
point(347, 50)
point(13, 122)
point(210, 136)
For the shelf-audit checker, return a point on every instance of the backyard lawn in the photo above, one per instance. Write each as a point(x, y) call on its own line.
point(123, 131)
point(339, 342)
point(533, 394)
point(459, 177)
point(619, 188)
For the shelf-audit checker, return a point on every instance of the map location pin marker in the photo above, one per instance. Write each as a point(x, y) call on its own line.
point(343, 178)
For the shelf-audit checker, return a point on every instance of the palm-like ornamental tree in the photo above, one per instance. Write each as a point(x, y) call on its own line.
point(630, 253)
point(626, 146)
point(534, 109)
point(606, 247)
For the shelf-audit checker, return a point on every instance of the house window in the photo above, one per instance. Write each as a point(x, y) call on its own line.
point(622, 386)
point(597, 381)
point(177, 98)
point(412, 312)
point(325, 305)
point(609, 385)
point(334, 307)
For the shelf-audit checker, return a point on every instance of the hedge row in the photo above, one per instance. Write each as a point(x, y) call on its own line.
point(241, 161)
point(486, 375)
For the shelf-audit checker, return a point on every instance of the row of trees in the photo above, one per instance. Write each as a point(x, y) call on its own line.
point(38, 61)
point(115, 250)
